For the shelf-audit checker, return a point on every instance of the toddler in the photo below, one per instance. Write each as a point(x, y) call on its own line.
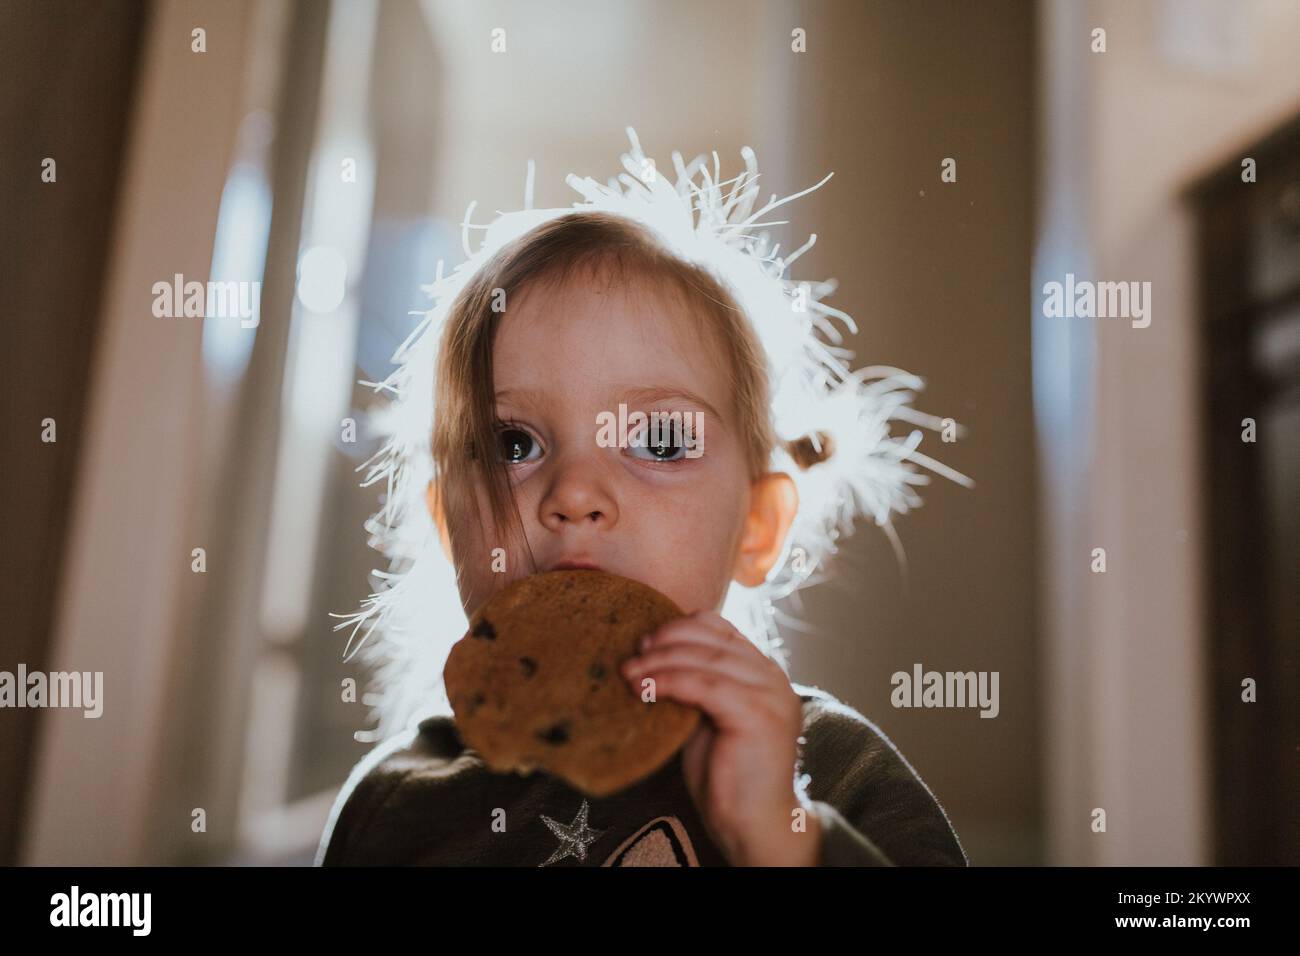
point(547, 335)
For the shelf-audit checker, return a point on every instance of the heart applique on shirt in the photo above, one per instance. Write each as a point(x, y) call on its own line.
point(661, 842)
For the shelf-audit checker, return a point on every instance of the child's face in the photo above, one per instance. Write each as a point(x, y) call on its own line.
point(562, 357)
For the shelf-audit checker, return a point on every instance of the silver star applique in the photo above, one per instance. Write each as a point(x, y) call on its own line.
point(574, 838)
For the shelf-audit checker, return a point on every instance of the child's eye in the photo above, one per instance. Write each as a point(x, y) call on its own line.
point(517, 445)
point(667, 445)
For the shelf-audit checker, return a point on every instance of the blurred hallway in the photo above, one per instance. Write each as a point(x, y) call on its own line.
point(200, 515)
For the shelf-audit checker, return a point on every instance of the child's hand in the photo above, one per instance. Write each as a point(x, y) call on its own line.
point(739, 765)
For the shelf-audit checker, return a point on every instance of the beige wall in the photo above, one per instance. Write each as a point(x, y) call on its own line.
point(679, 88)
point(937, 277)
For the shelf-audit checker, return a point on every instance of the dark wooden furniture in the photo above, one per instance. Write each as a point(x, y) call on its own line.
point(1249, 249)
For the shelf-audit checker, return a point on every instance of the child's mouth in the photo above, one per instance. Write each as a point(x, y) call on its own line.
point(575, 566)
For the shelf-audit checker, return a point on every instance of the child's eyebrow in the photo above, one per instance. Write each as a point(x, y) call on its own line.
point(649, 394)
point(524, 396)
point(629, 394)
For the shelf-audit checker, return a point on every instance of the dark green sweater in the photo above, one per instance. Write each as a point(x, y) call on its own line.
point(423, 798)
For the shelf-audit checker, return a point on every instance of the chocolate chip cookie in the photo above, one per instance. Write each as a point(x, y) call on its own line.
point(536, 682)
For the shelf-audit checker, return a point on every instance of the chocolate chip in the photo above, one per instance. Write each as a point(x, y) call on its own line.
point(611, 618)
point(476, 702)
point(485, 630)
point(529, 666)
point(555, 734)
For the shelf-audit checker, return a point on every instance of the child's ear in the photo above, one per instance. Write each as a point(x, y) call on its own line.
point(439, 518)
point(773, 502)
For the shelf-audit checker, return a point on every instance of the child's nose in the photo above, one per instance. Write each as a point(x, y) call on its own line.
point(577, 495)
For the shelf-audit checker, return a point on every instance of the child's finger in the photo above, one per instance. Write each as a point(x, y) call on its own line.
point(699, 628)
point(695, 753)
point(700, 637)
point(730, 703)
point(707, 656)
point(740, 650)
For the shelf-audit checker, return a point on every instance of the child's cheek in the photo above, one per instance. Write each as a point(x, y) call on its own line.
point(688, 537)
